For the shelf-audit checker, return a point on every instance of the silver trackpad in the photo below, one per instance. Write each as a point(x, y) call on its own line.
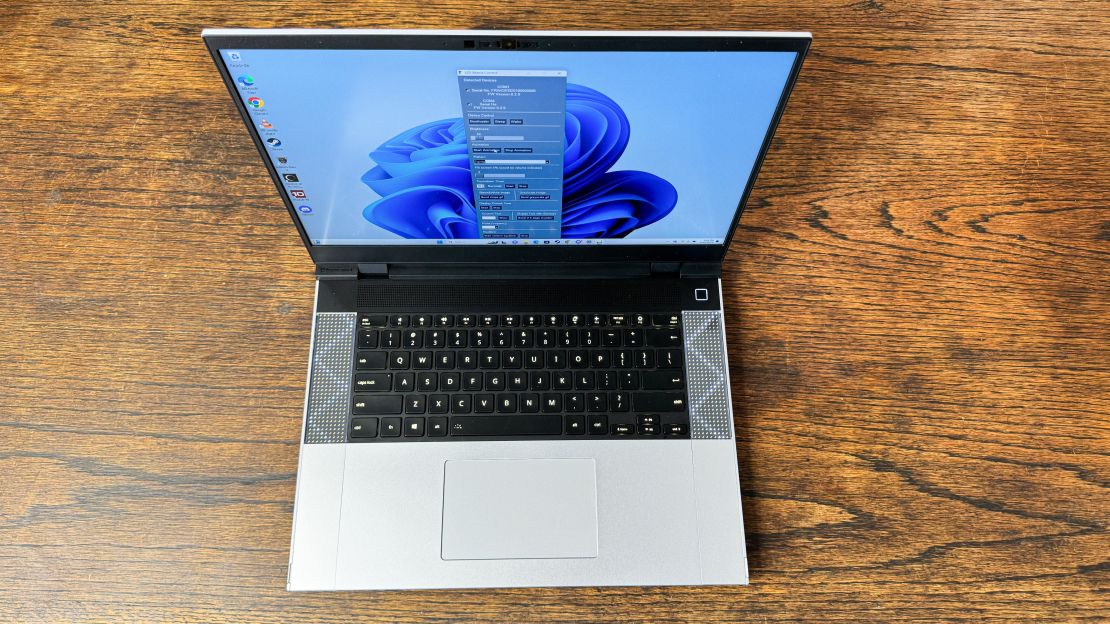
point(519, 509)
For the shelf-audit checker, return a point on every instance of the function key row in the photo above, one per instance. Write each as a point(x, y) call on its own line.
point(518, 320)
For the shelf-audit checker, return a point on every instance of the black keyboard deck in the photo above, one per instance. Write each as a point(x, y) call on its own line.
point(439, 377)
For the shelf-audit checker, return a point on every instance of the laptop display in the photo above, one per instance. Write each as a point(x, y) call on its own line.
point(452, 147)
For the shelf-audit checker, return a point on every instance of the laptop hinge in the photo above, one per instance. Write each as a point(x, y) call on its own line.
point(350, 271)
point(686, 269)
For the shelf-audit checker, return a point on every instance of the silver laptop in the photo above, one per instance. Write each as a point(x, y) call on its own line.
point(518, 373)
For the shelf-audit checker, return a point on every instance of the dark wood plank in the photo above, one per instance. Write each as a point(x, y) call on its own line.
point(918, 309)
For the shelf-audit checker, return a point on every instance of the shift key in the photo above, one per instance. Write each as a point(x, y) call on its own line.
point(659, 402)
point(387, 404)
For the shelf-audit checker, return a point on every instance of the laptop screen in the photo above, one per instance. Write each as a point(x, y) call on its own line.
point(416, 147)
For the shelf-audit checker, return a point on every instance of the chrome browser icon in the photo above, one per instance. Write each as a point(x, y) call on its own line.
point(255, 102)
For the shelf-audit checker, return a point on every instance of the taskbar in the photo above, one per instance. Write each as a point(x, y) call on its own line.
point(561, 242)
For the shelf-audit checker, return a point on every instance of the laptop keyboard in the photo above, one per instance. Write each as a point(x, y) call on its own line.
point(533, 376)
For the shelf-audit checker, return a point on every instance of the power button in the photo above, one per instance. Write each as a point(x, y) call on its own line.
point(701, 294)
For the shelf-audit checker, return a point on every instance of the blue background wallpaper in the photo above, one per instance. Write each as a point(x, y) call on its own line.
point(697, 120)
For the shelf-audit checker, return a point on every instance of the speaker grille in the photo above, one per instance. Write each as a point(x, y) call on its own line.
point(706, 380)
point(543, 295)
point(329, 381)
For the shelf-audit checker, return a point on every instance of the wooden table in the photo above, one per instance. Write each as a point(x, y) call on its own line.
point(918, 302)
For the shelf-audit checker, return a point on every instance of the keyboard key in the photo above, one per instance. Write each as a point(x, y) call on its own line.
point(618, 401)
point(421, 360)
point(413, 339)
point(404, 382)
point(584, 380)
point(622, 358)
point(597, 402)
point(666, 319)
point(539, 424)
point(670, 358)
point(664, 337)
point(597, 320)
point(633, 337)
point(502, 338)
point(562, 381)
point(576, 320)
point(495, 381)
point(553, 320)
point(372, 320)
point(510, 320)
point(372, 382)
point(606, 380)
point(414, 426)
point(644, 358)
point(399, 320)
point(435, 338)
point(511, 359)
point(472, 381)
point(487, 320)
point(445, 360)
point(647, 419)
point(649, 430)
point(576, 424)
point(675, 430)
point(370, 360)
point(578, 358)
point(445, 320)
point(517, 381)
point(506, 403)
point(460, 404)
point(662, 380)
point(364, 427)
point(532, 320)
point(659, 402)
point(623, 429)
point(391, 427)
point(466, 320)
point(427, 382)
point(640, 320)
point(550, 403)
point(574, 402)
point(629, 380)
point(618, 320)
point(422, 320)
point(533, 359)
point(449, 382)
point(415, 404)
point(529, 403)
point(437, 426)
point(391, 339)
point(468, 360)
point(385, 404)
point(611, 338)
point(438, 404)
point(489, 359)
point(368, 339)
point(598, 424)
point(483, 403)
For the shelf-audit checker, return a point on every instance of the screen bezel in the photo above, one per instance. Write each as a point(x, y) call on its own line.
point(246, 39)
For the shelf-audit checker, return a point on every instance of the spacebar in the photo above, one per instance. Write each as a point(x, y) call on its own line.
point(541, 424)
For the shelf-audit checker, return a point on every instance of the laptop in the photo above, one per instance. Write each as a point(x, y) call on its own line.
point(518, 373)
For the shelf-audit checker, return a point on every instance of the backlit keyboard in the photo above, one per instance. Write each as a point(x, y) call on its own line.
point(444, 376)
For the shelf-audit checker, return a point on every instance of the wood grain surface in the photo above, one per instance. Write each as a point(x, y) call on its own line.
point(918, 301)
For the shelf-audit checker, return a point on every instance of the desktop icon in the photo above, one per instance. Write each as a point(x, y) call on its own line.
point(290, 177)
point(234, 56)
point(255, 102)
point(298, 194)
point(266, 124)
point(274, 142)
point(305, 209)
point(282, 160)
point(245, 80)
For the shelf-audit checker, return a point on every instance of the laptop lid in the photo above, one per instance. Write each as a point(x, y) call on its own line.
point(511, 146)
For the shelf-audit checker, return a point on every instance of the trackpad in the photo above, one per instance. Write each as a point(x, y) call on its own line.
point(519, 509)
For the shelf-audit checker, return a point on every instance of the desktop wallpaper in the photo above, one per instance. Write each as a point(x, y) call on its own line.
point(372, 145)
